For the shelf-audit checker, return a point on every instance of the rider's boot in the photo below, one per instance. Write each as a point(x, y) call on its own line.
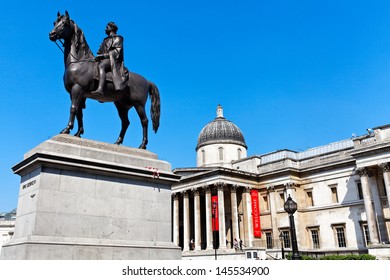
point(102, 78)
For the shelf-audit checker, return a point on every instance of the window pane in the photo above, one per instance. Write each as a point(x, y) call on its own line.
point(315, 239)
point(359, 189)
point(340, 237)
point(286, 238)
point(366, 235)
point(269, 240)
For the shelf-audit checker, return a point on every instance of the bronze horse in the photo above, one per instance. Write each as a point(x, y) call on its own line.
point(79, 81)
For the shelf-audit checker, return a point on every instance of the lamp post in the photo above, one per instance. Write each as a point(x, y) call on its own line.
point(281, 238)
point(290, 206)
point(214, 204)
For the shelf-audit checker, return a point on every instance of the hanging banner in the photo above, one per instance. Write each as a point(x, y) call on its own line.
point(255, 213)
point(214, 212)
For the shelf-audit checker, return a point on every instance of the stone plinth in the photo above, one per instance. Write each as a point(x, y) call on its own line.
point(82, 199)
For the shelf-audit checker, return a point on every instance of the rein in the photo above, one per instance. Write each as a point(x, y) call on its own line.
point(77, 60)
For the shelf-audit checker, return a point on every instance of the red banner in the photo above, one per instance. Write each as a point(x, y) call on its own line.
point(214, 212)
point(255, 213)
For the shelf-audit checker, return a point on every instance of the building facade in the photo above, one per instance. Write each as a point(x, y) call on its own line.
point(342, 190)
point(7, 226)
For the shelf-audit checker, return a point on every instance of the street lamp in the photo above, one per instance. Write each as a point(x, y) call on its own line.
point(214, 227)
point(281, 238)
point(290, 206)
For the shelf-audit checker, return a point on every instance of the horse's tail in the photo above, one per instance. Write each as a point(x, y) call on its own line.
point(155, 106)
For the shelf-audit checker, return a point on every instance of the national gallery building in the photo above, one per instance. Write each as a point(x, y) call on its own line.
point(342, 191)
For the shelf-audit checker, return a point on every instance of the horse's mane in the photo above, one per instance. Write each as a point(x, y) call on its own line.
point(80, 41)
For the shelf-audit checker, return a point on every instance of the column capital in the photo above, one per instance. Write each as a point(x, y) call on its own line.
point(385, 167)
point(247, 189)
point(291, 185)
point(364, 171)
point(270, 188)
point(175, 196)
point(220, 185)
point(185, 193)
point(195, 191)
point(206, 189)
point(234, 188)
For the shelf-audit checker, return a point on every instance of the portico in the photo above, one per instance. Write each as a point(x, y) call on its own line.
point(194, 220)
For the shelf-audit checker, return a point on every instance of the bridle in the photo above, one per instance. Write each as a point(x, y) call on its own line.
point(76, 59)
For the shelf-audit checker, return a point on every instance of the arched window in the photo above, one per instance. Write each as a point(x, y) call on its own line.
point(203, 156)
point(220, 153)
point(239, 153)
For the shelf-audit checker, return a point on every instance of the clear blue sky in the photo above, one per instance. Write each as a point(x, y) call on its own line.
point(291, 74)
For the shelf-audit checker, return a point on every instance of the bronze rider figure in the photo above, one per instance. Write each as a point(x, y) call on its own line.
point(110, 58)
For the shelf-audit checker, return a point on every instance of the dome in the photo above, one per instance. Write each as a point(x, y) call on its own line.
point(219, 131)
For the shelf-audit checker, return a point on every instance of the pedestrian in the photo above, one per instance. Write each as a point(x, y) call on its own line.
point(235, 244)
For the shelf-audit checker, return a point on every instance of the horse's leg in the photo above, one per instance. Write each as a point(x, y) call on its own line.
point(123, 112)
point(76, 97)
point(144, 122)
point(79, 117)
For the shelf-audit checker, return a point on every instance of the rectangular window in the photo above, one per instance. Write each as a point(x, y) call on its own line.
point(366, 234)
point(384, 187)
point(268, 236)
point(309, 198)
point(359, 190)
point(340, 235)
point(281, 200)
point(286, 239)
point(333, 190)
point(265, 202)
point(315, 238)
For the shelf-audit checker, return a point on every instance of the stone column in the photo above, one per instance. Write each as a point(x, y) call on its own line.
point(221, 216)
point(367, 198)
point(197, 219)
point(186, 222)
point(248, 217)
point(176, 218)
point(273, 211)
point(386, 176)
point(380, 220)
point(209, 220)
point(233, 199)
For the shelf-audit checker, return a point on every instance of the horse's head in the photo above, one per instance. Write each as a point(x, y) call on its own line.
point(61, 28)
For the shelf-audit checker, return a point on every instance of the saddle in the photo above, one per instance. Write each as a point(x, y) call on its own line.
point(108, 73)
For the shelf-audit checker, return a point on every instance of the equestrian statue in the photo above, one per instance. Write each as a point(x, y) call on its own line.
point(103, 78)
